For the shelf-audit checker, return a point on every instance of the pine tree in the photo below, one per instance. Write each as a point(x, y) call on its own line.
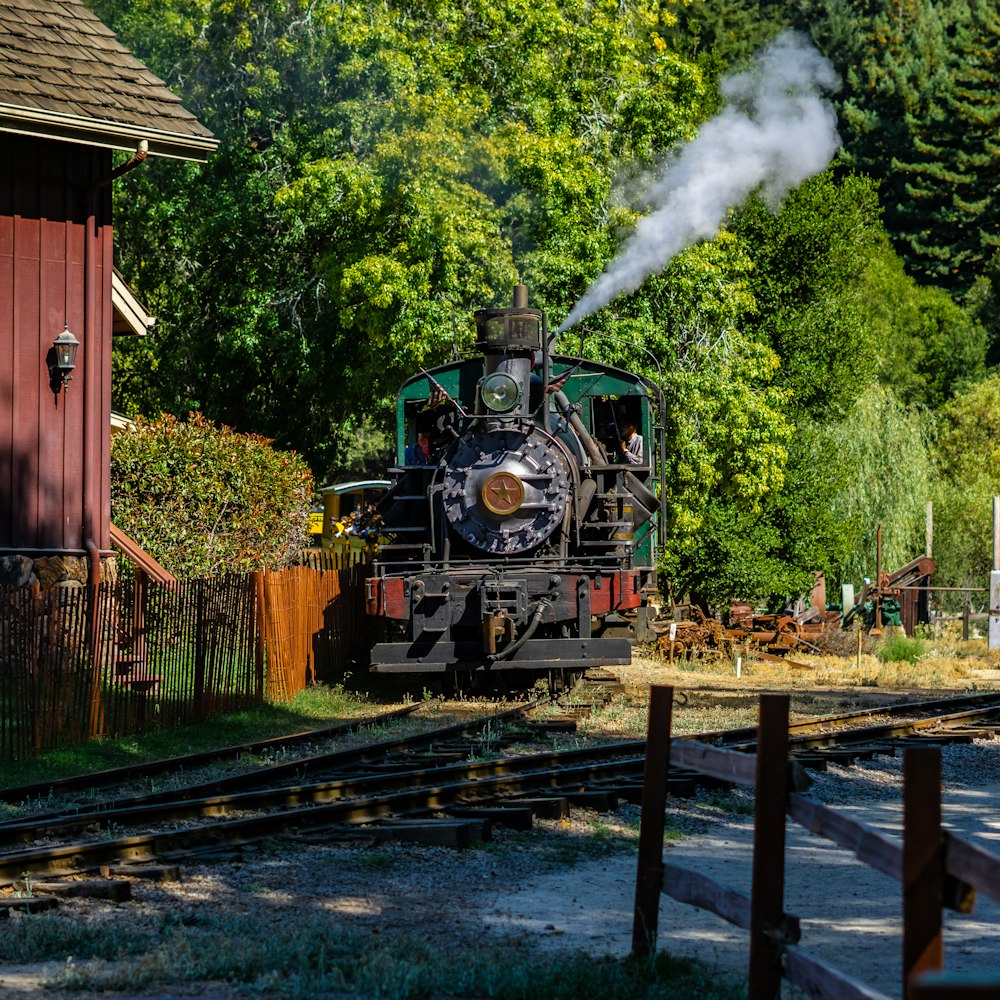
point(898, 81)
point(951, 180)
point(921, 117)
point(977, 119)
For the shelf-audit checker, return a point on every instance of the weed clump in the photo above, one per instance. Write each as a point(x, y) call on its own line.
point(901, 649)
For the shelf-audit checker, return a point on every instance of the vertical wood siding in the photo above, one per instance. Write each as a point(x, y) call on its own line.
point(44, 439)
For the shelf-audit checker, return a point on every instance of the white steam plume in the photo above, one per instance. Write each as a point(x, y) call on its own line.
point(775, 131)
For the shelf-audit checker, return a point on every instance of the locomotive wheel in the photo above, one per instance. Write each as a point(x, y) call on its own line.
point(564, 681)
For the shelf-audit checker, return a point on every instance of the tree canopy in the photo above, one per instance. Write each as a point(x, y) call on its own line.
point(967, 464)
point(387, 167)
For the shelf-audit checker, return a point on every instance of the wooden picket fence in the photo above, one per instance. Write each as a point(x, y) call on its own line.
point(937, 868)
point(82, 662)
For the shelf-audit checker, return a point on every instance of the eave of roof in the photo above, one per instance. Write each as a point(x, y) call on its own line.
point(65, 75)
point(120, 423)
point(129, 315)
point(97, 132)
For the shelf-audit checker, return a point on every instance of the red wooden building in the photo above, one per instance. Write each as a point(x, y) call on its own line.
point(70, 94)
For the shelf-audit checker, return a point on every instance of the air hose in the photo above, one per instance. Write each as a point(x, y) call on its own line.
point(505, 654)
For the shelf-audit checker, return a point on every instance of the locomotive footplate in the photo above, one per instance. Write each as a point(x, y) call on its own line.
point(535, 654)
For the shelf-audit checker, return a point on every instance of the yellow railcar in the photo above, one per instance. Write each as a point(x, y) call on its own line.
point(344, 506)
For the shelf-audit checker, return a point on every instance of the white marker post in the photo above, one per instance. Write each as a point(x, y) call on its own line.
point(739, 666)
point(673, 635)
point(994, 639)
point(993, 642)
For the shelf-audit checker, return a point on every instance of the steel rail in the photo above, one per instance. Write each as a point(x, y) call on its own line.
point(80, 856)
point(205, 798)
point(120, 775)
point(426, 790)
point(731, 737)
point(598, 763)
point(35, 828)
point(869, 734)
point(296, 769)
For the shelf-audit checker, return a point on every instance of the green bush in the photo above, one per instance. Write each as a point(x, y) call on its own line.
point(205, 500)
point(900, 649)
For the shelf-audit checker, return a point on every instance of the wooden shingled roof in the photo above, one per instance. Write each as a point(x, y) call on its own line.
point(64, 75)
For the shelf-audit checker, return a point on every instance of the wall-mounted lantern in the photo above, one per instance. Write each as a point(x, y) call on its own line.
point(64, 347)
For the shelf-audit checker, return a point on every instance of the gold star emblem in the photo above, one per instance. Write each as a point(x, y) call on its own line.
point(502, 493)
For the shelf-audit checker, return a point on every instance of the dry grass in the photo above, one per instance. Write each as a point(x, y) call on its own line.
point(709, 695)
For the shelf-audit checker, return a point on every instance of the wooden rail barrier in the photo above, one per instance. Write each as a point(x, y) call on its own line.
point(936, 868)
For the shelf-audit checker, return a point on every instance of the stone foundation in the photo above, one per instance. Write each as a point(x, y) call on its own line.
point(52, 570)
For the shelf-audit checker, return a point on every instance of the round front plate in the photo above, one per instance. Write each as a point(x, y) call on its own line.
point(503, 493)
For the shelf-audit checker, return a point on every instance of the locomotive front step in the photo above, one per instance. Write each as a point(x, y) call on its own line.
point(535, 654)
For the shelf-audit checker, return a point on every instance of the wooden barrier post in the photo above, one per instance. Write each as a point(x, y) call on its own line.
point(649, 874)
point(923, 863)
point(96, 718)
point(140, 602)
point(993, 608)
point(140, 659)
point(942, 986)
point(767, 902)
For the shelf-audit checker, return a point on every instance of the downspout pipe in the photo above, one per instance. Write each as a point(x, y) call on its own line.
point(91, 335)
point(91, 417)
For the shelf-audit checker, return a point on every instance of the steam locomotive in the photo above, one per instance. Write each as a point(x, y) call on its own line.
point(519, 536)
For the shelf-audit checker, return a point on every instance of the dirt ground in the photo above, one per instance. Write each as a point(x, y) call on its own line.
point(552, 889)
point(850, 914)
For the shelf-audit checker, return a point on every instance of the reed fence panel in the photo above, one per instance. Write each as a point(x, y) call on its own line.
point(45, 683)
point(314, 624)
point(81, 662)
point(161, 655)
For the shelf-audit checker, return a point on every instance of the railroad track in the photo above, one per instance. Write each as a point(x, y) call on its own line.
point(401, 784)
point(192, 761)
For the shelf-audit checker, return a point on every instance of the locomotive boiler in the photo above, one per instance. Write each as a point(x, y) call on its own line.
point(520, 533)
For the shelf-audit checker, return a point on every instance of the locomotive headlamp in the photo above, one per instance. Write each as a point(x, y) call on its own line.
point(500, 392)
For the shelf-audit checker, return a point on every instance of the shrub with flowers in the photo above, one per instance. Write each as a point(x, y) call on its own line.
point(205, 500)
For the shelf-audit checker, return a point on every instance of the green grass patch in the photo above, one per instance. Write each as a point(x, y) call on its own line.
point(901, 649)
point(376, 861)
point(310, 709)
point(296, 958)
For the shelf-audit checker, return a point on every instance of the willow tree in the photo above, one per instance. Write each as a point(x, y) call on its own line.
point(967, 477)
point(882, 447)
